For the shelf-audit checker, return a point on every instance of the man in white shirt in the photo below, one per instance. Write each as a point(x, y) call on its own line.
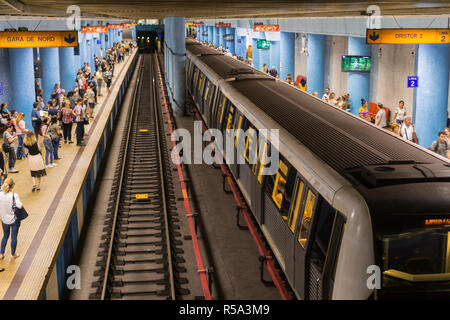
point(326, 94)
point(407, 131)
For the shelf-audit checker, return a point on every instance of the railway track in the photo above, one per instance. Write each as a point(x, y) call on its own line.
point(142, 258)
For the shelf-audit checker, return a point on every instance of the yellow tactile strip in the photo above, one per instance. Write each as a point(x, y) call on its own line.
point(25, 277)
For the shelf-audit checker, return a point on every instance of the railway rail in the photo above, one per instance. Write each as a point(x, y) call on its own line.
point(142, 258)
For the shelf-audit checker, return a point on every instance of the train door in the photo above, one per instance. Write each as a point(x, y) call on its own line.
point(316, 244)
point(207, 100)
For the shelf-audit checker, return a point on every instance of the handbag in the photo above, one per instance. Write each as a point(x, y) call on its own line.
point(6, 148)
point(86, 121)
point(20, 213)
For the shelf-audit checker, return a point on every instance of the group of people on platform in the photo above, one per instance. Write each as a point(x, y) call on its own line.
point(51, 123)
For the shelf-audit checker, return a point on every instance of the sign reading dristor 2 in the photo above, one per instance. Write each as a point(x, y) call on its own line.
point(35, 39)
point(407, 36)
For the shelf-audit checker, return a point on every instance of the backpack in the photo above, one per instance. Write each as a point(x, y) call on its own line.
point(436, 146)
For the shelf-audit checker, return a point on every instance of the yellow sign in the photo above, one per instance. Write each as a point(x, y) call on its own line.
point(35, 39)
point(142, 196)
point(143, 130)
point(407, 36)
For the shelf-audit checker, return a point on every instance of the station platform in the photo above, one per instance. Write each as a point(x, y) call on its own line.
point(47, 239)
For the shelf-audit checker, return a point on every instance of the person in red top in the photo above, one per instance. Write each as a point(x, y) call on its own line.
point(67, 115)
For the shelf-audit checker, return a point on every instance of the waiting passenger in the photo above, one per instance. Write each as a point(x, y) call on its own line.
point(447, 134)
point(273, 72)
point(302, 84)
point(36, 119)
point(400, 112)
point(10, 144)
point(331, 99)
point(440, 146)
point(408, 131)
point(48, 144)
point(363, 111)
point(289, 79)
point(265, 69)
point(315, 94)
point(395, 129)
point(326, 94)
point(56, 135)
point(34, 160)
point(10, 223)
point(21, 130)
point(380, 118)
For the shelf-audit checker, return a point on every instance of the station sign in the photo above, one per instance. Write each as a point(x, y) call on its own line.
point(127, 25)
point(196, 24)
point(263, 44)
point(115, 26)
point(407, 36)
point(223, 25)
point(38, 39)
point(413, 82)
point(189, 23)
point(228, 37)
point(94, 29)
point(204, 32)
point(266, 28)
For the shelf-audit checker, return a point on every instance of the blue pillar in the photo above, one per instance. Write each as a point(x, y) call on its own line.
point(199, 33)
point(358, 83)
point(216, 36)
point(103, 44)
point(230, 44)
point(22, 81)
point(176, 43)
point(431, 96)
point(255, 53)
point(287, 54)
point(50, 70)
point(82, 43)
point(275, 56)
point(221, 34)
point(67, 69)
point(210, 34)
point(133, 32)
point(315, 64)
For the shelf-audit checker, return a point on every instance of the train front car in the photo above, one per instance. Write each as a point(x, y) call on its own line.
point(353, 212)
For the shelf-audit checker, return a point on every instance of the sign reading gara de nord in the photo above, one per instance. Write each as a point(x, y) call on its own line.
point(37, 39)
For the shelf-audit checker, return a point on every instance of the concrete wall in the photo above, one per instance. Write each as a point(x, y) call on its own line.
point(300, 58)
point(335, 79)
point(390, 68)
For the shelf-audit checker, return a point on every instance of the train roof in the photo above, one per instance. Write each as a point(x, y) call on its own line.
point(376, 162)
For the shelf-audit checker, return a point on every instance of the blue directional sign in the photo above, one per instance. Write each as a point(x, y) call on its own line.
point(99, 41)
point(413, 82)
point(1, 88)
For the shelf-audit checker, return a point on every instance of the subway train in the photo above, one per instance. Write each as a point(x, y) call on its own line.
point(354, 212)
point(149, 41)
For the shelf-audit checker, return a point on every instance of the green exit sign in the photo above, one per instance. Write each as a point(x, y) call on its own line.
point(263, 44)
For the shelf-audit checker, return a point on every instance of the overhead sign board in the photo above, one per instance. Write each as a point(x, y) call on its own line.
point(115, 26)
point(38, 39)
point(223, 25)
point(266, 28)
point(263, 44)
point(413, 82)
point(94, 29)
point(407, 36)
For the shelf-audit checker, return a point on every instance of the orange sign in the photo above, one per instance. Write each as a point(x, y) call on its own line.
point(407, 36)
point(266, 28)
point(436, 222)
point(38, 39)
point(223, 25)
point(94, 29)
point(115, 26)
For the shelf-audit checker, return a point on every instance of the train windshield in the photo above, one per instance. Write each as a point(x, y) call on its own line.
point(415, 260)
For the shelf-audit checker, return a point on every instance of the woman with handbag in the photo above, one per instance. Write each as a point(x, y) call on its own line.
point(34, 160)
point(9, 201)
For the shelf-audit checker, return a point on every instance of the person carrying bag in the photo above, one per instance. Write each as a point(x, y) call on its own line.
point(11, 212)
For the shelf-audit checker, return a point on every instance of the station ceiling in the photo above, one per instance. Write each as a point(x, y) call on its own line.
point(202, 9)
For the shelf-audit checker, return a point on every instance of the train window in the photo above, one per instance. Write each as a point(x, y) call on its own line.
point(324, 226)
point(211, 94)
point(195, 77)
point(222, 107)
point(250, 140)
point(296, 204)
point(261, 164)
point(237, 127)
point(306, 219)
point(207, 91)
point(280, 185)
point(230, 116)
point(200, 82)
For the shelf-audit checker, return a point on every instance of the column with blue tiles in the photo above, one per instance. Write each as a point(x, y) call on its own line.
point(287, 54)
point(221, 35)
point(230, 44)
point(216, 33)
point(264, 54)
point(21, 67)
point(210, 34)
point(431, 95)
point(358, 83)
point(133, 32)
point(275, 56)
point(50, 70)
point(67, 68)
point(315, 63)
point(255, 54)
point(200, 33)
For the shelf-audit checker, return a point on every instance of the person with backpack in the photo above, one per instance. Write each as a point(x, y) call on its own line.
point(440, 146)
